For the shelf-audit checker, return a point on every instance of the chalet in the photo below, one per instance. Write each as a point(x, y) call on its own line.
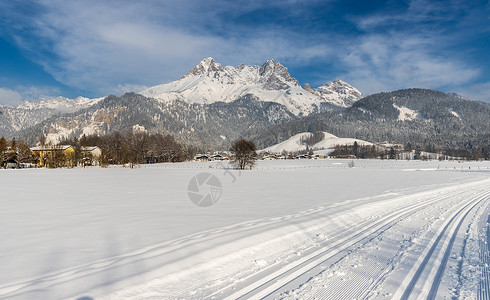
point(9, 159)
point(218, 157)
point(269, 157)
point(53, 156)
point(90, 156)
point(94, 151)
point(201, 157)
point(11, 163)
point(388, 145)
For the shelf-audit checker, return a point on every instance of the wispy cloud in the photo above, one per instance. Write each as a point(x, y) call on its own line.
point(126, 88)
point(34, 92)
point(477, 91)
point(9, 97)
point(416, 15)
point(15, 96)
point(385, 62)
point(416, 46)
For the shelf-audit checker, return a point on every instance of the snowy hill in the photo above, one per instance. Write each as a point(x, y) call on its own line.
point(210, 82)
point(297, 143)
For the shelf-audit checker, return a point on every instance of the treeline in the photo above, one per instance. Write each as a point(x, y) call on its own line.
point(312, 138)
point(118, 148)
point(361, 151)
point(131, 148)
point(409, 151)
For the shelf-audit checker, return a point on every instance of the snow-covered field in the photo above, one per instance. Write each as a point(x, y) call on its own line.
point(288, 229)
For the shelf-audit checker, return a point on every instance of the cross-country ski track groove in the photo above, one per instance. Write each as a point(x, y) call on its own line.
point(437, 250)
point(272, 283)
point(484, 283)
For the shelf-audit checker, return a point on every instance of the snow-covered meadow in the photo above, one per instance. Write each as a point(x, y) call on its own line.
point(288, 229)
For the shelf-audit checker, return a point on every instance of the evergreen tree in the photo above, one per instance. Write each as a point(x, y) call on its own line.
point(417, 153)
point(392, 154)
point(355, 149)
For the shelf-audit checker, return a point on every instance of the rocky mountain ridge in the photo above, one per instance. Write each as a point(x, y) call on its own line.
point(210, 82)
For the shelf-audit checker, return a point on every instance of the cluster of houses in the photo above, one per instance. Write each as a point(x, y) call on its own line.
point(290, 156)
point(210, 157)
point(54, 156)
point(265, 156)
point(395, 146)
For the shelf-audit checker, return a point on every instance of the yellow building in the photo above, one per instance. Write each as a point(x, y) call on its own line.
point(54, 156)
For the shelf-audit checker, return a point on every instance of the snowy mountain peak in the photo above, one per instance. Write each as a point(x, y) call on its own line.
point(338, 92)
point(210, 82)
point(205, 67)
point(337, 84)
point(307, 87)
point(276, 76)
point(269, 67)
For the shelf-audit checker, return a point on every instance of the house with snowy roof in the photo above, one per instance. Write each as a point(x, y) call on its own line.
point(53, 156)
point(91, 154)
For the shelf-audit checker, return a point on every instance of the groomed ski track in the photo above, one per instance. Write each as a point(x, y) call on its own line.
point(409, 272)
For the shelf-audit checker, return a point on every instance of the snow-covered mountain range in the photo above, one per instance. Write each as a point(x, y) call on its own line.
point(60, 104)
point(207, 83)
point(210, 82)
point(28, 114)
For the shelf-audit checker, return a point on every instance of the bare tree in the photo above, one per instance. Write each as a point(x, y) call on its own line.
point(244, 154)
point(3, 150)
point(42, 140)
point(24, 154)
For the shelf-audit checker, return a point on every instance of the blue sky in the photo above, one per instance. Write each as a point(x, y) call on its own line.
point(95, 48)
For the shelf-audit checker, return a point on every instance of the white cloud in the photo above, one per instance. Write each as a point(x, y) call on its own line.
point(9, 97)
point(35, 92)
point(388, 62)
point(420, 45)
point(14, 97)
point(478, 91)
point(425, 12)
point(126, 88)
